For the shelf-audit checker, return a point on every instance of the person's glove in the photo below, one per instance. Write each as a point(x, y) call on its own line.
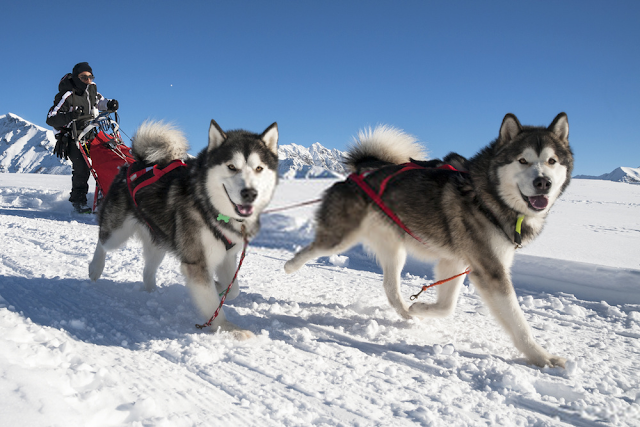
point(62, 147)
point(76, 113)
point(112, 105)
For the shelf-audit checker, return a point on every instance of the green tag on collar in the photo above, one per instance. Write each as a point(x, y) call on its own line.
point(223, 218)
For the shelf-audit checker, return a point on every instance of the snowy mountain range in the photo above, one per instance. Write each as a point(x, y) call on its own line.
point(314, 162)
point(621, 174)
point(28, 148)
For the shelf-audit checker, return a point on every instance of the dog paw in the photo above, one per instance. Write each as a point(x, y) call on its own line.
point(95, 270)
point(235, 331)
point(290, 267)
point(242, 335)
point(422, 310)
point(403, 312)
point(546, 359)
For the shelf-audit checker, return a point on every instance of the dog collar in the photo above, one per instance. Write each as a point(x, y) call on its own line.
point(517, 237)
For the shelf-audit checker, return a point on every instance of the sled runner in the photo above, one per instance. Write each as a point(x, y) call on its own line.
point(104, 151)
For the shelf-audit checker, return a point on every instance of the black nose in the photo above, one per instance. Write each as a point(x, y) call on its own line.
point(248, 195)
point(542, 184)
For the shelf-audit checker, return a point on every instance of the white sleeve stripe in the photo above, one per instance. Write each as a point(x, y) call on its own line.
point(57, 107)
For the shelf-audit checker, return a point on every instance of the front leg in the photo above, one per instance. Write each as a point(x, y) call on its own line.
point(225, 272)
point(206, 299)
point(391, 255)
point(497, 291)
point(447, 293)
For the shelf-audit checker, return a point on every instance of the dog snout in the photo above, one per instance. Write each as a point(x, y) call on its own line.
point(248, 195)
point(542, 184)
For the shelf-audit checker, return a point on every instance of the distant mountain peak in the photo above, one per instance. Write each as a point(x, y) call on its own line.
point(28, 148)
point(621, 174)
point(316, 161)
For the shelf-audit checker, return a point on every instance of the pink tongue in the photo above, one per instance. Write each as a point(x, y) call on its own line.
point(539, 202)
point(245, 209)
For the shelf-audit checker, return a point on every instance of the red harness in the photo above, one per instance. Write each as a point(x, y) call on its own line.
point(148, 176)
point(359, 179)
point(137, 179)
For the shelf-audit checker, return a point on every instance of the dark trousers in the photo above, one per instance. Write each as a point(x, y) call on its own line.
point(79, 177)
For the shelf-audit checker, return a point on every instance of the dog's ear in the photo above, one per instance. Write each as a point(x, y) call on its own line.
point(560, 126)
point(270, 138)
point(216, 136)
point(510, 128)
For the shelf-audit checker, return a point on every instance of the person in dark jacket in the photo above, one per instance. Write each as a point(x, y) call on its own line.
point(77, 97)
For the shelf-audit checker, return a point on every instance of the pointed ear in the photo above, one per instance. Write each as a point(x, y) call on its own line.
point(560, 126)
point(216, 136)
point(270, 138)
point(510, 128)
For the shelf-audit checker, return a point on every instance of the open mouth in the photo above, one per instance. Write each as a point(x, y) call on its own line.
point(537, 203)
point(242, 210)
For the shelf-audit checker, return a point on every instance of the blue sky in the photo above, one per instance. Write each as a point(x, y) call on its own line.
point(446, 72)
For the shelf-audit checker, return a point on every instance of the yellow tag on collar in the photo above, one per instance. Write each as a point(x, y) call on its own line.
point(519, 224)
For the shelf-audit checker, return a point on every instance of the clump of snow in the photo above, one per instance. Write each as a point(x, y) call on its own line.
point(339, 260)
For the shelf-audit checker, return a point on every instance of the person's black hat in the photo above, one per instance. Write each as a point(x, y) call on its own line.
point(81, 67)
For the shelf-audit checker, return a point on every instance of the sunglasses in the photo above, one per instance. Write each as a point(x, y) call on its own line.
point(86, 78)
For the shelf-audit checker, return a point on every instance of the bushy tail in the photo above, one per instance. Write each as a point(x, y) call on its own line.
point(383, 144)
point(158, 143)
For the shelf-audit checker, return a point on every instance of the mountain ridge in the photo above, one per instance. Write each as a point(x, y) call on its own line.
point(28, 148)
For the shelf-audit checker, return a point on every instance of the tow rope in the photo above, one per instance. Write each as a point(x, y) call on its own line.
point(235, 276)
point(439, 282)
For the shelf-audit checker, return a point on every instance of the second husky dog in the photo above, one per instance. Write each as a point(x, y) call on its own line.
point(201, 211)
point(463, 219)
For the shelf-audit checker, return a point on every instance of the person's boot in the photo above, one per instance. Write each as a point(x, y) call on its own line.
point(82, 208)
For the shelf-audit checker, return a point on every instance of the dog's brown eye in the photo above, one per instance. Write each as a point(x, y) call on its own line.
point(259, 169)
point(552, 161)
point(522, 161)
point(232, 168)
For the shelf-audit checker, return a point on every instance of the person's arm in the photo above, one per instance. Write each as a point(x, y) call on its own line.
point(60, 114)
point(106, 104)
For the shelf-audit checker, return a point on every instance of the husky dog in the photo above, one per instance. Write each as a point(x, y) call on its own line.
point(201, 211)
point(463, 219)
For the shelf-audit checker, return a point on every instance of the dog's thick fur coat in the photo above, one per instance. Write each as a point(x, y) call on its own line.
point(201, 212)
point(464, 219)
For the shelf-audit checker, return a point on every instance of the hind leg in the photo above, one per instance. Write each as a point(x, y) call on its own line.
point(153, 256)
point(447, 293)
point(338, 226)
point(109, 240)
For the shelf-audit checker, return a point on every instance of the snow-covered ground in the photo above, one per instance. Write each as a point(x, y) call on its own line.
point(329, 350)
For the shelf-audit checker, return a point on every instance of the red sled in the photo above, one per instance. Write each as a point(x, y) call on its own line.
point(106, 155)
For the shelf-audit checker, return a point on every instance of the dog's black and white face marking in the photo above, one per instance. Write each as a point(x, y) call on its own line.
point(532, 182)
point(242, 177)
point(535, 167)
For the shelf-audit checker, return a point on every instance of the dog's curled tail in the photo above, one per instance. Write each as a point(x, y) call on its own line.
point(159, 142)
point(384, 144)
